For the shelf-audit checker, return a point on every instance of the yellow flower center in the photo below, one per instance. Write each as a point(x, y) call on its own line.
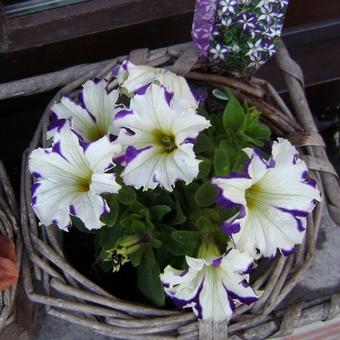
point(165, 139)
point(252, 196)
point(96, 132)
point(83, 184)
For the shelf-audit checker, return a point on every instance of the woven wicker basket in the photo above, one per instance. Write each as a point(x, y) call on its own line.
point(67, 294)
point(9, 226)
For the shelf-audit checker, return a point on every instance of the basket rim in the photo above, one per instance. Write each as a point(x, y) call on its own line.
point(48, 260)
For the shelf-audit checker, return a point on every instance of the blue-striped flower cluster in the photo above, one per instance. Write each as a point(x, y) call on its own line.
point(245, 33)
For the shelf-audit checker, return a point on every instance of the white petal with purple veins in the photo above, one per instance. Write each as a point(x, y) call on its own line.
point(68, 180)
point(211, 286)
point(89, 207)
point(274, 197)
point(136, 78)
point(93, 117)
point(99, 154)
point(157, 139)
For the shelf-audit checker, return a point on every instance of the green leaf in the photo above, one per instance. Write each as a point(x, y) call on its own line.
point(139, 208)
point(159, 211)
point(233, 116)
point(221, 163)
point(179, 218)
point(204, 169)
point(111, 218)
point(237, 157)
point(172, 246)
point(186, 236)
point(149, 225)
point(136, 257)
point(217, 124)
point(155, 243)
point(108, 236)
point(204, 223)
point(127, 195)
point(259, 132)
point(137, 226)
point(203, 144)
point(148, 280)
point(127, 221)
point(206, 195)
point(190, 191)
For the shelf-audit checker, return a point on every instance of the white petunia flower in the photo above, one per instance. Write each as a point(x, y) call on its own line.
point(274, 198)
point(157, 139)
point(211, 285)
point(135, 79)
point(93, 117)
point(69, 178)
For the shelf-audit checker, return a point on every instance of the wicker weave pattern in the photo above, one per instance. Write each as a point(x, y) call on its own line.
point(85, 303)
point(9, 216)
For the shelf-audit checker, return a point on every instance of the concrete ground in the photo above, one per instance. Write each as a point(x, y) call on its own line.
point(322, 279)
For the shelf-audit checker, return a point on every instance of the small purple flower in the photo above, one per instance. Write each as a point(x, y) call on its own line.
point(255, 50)
point(227, 6)
point(248, 22)
point(219, 52)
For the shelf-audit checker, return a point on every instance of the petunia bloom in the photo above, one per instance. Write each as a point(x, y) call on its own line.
point(274, 198)
point(211, 286)
point(137, 78)
point(157, 137)
point(93, 116)
point(69, 178)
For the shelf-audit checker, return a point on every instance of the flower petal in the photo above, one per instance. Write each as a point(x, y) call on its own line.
point(51, 202)
point(232, 189)
point(89, 207)
point(184, 288)
point(237, 261)
point(188, 125)
point(264, 230)
point(104, 183)
point(100, 154)
point(133, 77)
point(277, 190)
point(140, 170)
point(210, 287)
point(100, 103)
point(257, 166)
point(182, 164)
point(82, 121)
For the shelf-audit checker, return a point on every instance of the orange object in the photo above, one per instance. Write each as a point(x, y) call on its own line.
point(8, 269)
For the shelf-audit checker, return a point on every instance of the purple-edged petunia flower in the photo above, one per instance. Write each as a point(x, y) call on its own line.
point(69, 178)
point(93, 117)
point(211, 285)
point(135, 79)
point(274, 198)
point(157, 136)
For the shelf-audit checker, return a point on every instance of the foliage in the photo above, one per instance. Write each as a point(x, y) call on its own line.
point(155, 228)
